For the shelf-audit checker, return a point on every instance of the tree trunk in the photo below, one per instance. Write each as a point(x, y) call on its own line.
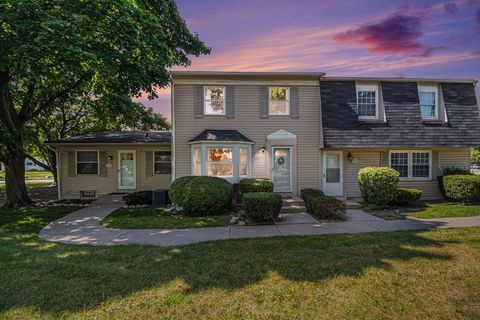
point(17, 195)
point(55, 173)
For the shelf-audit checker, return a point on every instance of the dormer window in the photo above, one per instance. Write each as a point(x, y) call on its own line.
point(214, 100)
point(428, 97)
point(367, 101)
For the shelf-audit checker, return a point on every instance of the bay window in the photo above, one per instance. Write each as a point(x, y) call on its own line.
point(416, 165)
point(228, 161)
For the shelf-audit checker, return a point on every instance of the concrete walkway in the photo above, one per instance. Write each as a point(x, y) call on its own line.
point(83, 227)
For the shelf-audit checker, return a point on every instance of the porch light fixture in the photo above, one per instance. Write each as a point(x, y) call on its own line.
point(263, 149)
point(110, 158)
point(349, 156)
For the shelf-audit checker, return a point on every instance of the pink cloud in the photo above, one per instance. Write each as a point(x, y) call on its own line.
point(396, 34)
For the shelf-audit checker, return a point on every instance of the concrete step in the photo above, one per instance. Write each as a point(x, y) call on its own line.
point(293, 209)
point(293, 202)
point(353, 204)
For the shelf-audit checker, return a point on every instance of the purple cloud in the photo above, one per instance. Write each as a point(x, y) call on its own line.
point(396, 34)
point(451, 7)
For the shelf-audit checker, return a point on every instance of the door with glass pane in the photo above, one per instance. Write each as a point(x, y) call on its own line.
point(127, 176)
point(282, 169)
point(333, 173)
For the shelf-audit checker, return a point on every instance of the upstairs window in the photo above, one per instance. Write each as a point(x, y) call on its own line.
point(87, 162)
point(367, 101)
point(415, 165)
point(214, 100)
point(162, 162)
point(428, 97)
point(279, 101)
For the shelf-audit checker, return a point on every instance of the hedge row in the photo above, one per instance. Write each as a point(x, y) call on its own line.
point(322, 206)
point(465, 188)
point(262, 205)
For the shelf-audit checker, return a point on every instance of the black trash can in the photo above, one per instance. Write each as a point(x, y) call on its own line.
point(160, 197)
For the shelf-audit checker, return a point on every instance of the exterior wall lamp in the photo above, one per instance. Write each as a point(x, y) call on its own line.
point(350, 156)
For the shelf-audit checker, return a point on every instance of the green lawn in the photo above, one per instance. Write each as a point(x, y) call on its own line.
point(401, 275)
point(445, 210)
point(33, 174)
point(158, 218)
point(38, 191)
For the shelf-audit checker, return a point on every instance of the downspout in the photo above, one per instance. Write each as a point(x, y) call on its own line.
point(172, 115)
point(57, 159)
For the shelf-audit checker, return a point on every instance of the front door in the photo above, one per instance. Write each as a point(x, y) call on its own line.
point(282, 169)
point(333, 173)
point(127, 175)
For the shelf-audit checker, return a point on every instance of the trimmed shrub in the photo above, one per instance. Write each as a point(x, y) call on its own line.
point(202, 195)
point(326, 207)
point(378, 185)
point(453, 170)
point(406, 196)
point(255, 185)
point(465, 188)
point(308, 194)
point(262, 205)
point(138, 198)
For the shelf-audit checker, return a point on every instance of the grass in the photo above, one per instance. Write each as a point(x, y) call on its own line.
point(445, 210)
point(38, 191)
point(401, 275)
point(430, 211)
point(33, 174)
point(159, 218)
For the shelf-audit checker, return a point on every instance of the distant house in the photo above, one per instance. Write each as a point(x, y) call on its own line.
point(29, 166)
point(302, 130)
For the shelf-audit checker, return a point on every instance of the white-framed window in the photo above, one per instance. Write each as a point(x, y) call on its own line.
point(412, 164)
point(428, 97)
point(230, 161)
point(162, 162)
point(214, 100)
point(279, 101)
point(367, 101)
point(87, 162)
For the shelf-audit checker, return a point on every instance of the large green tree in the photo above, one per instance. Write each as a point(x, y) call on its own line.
point(53, 51)
point(80, 116)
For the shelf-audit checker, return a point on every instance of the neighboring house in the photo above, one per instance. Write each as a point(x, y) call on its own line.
point(302, 130)
point(305, 130)
point(113, 162)
point(29, 166)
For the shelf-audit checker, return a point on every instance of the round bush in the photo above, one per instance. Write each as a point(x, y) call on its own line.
point(465, 188)
point(201, 195)
point(326, 207)
point(255, 185)
point(378, 185)
point(406, 196)
point(262, 205)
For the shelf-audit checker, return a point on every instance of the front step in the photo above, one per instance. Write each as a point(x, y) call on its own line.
point(350, 204)
point(293, 205)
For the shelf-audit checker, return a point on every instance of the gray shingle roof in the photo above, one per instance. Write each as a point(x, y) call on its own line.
point(404, 126)
point(119, 137)
point(221, 135)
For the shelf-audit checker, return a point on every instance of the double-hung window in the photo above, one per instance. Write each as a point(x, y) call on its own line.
point(87, 162)
point(214, 100)
point(279, 101)
point(428, 97)
point(367, 101)
point(162, 162)
point(412, 164)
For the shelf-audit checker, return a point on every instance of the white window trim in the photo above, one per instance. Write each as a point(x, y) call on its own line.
point(368, 87)
point(205, 88)
point(426, 89)
point(153, 162)
point(98, 163)
point(270, 101)
point(410, 164)
point(235, 146)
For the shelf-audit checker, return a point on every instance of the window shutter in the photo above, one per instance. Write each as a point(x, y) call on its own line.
point(263, 102)
point(199, 99)
point(294, 102)
point(149, 163)
point(435, 171)
point(230, 101)
point(103, 163)
point(72, 172)
point(384, 159)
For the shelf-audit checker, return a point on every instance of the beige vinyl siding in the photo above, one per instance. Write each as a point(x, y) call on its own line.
point(247, 120)
point(72, 185)
point(365, 157)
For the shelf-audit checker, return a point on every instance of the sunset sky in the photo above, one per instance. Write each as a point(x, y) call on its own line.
point(341, 38)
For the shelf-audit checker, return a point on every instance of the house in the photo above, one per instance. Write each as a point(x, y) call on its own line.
point(300, 129)
point(29, 166)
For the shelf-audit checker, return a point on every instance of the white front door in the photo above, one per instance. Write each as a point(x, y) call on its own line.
point(127, 173)
point(333, 173)
point(282, 169)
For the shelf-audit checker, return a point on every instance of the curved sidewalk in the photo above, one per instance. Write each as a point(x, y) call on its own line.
point(83, 227)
